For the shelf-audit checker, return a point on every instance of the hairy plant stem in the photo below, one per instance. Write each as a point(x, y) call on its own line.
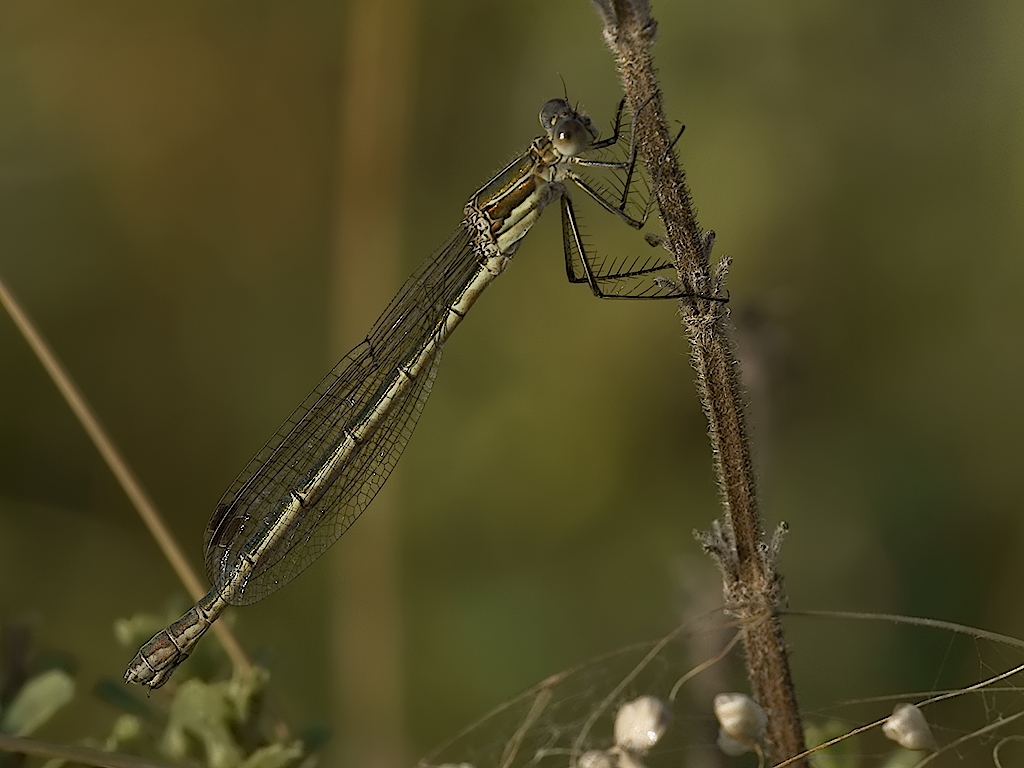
point(752, 588)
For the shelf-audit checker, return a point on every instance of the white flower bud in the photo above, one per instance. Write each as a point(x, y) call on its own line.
point(640, 724)
point(595, 758)
point(629, 760)
point(908, 728)
point(741, 719)
point(731, 746)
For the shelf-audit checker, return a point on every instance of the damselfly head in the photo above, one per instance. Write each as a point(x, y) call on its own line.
point(570, 131)
point(553, 111)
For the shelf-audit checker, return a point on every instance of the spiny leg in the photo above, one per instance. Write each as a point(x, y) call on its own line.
point(639, 280)
point(580, 269)
point(611, 207)
point(628, 165)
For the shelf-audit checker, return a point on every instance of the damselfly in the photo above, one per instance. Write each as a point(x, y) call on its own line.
point(329, 459)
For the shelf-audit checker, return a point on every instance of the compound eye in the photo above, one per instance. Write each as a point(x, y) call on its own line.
point(570, 137)
point(552, 111)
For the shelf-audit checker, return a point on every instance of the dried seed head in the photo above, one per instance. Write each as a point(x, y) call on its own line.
point(741, 719)
point(640, 724)
point(628, 760)
point(731, 746)
point(908, 728)
point(595, 758)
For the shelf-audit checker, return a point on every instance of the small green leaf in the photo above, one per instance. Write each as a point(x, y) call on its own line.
point(200, 711)
point(126, 728)
point(37, 701)
point(241, 689)
point(132, 631)
point(120, 696)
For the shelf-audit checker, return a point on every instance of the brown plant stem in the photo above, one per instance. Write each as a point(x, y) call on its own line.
point(752, 587)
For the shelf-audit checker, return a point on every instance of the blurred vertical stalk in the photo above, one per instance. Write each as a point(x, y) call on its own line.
point(752, 587)
point(374, 114)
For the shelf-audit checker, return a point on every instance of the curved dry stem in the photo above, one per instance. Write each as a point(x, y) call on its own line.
point(991, 727)
point(704, 665)
point(996, 761)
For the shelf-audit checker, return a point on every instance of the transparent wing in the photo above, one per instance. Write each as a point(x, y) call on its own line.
point(318, 424)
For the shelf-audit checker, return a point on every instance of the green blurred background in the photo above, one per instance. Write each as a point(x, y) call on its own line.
point(169, 178)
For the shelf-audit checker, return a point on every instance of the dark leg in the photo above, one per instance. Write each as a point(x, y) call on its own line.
point(639, 279)
point(572, 244)
point(614, 138)
point(618, 210)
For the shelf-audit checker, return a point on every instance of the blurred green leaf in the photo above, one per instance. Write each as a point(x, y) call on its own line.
point(844, 754)
point(274, 755)
point(903, 758)
point(240, 691)
point(117, 694)
point(132, 631)
point(37, 701)
point(208, 713)
point(126, 728)
point(200, 711)
point(315, 736)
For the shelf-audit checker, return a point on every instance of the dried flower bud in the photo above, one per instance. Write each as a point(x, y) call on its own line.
point(640, 724)
point(742, 720)
point(731, 746)
point(628, 760)
point(908, 728)
point(595, 758)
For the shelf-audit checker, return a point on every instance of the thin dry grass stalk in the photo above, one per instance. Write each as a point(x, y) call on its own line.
point(119, 467)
